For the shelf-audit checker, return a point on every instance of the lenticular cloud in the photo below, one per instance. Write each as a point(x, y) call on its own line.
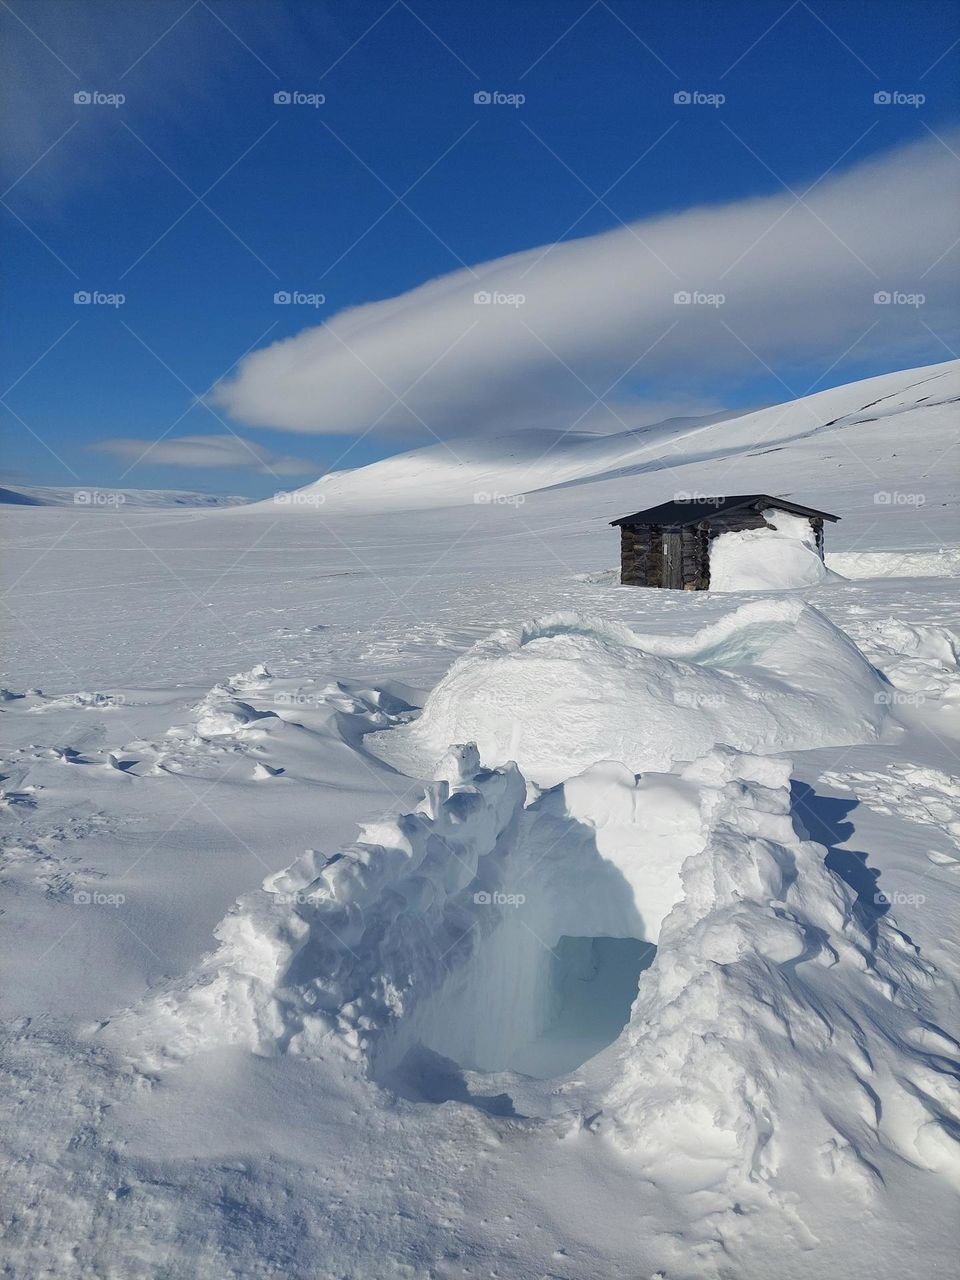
point(540, 336)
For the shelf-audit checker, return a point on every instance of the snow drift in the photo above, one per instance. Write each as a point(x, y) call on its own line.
point(778, 558)
point(558, 694)
point(767, 976)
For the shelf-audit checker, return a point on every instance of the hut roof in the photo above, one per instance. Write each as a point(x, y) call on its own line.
point(683, 511)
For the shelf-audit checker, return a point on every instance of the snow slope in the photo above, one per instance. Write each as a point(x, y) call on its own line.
point(860, 435)
point(659, 977)
point(87, 496)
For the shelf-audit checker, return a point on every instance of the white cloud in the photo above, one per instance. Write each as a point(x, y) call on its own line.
point(798, 282)
point(223, 452)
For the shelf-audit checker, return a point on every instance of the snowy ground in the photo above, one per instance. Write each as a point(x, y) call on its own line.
point(230, 1056)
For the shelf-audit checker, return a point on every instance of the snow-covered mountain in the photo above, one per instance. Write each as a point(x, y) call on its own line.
point(820, 444)
point(104, 497)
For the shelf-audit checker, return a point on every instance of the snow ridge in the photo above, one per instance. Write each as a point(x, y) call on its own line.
point(775, 1020)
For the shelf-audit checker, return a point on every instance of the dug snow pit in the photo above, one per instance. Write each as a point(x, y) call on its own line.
point(558, 694)
point(779, 558)
point(493, 935)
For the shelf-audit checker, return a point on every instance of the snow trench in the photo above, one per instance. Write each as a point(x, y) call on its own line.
point(757, 1008)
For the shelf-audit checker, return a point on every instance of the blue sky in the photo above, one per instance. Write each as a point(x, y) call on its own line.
point(311, 199)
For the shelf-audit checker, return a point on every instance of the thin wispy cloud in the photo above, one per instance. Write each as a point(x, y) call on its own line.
point(222, 452)
point(553, 335)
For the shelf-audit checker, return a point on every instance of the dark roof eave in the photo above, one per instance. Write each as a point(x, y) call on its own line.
point(668, 518)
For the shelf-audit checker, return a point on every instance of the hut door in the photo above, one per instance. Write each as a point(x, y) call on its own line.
point(673, 561)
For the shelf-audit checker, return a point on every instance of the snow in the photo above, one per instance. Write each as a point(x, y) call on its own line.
point(853, 444)
point(560, 693)
point(403, 896)
point(778, 558)
point(97, 497)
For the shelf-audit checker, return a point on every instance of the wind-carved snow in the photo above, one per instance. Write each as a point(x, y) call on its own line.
point(773, 1020)
point(560, 693)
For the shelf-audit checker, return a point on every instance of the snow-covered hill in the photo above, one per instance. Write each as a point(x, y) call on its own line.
point(822, 444)
point(105, 498)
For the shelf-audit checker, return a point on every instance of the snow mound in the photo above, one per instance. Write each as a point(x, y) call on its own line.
point(779, 558)
point(558, 694)
point(767, 976)
point(221, 712)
